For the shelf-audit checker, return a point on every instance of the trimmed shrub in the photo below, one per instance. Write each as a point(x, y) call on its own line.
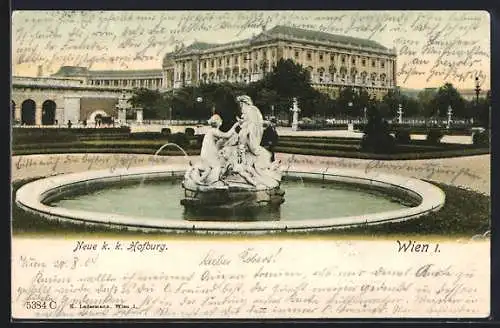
point(40, 135)
point(377, 138)
point(481, 139)
point(166, 131)
point(179, 138)
point(147, 136)
point(434, 136)
point(378, 143)
point(403, 137)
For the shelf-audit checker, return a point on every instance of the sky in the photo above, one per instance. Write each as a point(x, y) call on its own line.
point(433, 47)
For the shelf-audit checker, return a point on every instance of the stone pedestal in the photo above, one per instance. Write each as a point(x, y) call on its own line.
point(295, 118)
point(139, 116)
point(122, 115)
point(295, 121)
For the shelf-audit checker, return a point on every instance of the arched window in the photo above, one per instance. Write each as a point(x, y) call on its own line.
point(28, 108)
point(48, 112)
point(363, 77)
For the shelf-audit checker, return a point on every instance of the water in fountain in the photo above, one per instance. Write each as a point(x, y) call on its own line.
point(172, 144)
point(186, 156)
point(290, 162)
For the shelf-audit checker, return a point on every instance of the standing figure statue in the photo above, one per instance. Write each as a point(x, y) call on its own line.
point(235, 158)
point(251, 123)
point(235, 172)
point(258, 159)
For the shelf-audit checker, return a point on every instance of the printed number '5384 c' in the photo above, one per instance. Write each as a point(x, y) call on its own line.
point(38, 305)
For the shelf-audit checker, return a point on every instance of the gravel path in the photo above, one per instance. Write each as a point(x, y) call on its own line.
point(471, 172)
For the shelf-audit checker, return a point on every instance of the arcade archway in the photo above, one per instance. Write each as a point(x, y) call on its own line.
point(98, 114)
point(48, 112)
point(28, 110)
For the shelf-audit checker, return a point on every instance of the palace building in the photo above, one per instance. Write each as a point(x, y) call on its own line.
point(125, 79)
point(334, 61)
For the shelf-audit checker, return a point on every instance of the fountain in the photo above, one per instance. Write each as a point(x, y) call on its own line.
point(232, 187)
point(235, 174)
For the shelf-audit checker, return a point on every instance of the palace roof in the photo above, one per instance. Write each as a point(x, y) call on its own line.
point(73, 71)
point(275, 33)
point(322, 36)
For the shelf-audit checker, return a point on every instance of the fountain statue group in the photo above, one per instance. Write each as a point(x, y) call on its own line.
point(234, 169)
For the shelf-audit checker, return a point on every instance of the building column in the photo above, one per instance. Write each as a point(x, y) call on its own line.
point(17, 112)
point(394, 68)
point(38, 114)
point(60, 115)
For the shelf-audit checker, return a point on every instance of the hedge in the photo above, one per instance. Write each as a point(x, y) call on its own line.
point(37, 135)
point(482, 139)
point(78, 150)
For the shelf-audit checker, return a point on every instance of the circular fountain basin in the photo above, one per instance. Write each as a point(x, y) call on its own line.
point(314, 200)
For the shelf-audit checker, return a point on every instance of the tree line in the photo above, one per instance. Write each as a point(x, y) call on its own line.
point(287, 80)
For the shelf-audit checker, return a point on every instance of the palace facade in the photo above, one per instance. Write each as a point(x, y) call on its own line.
point(334, 61)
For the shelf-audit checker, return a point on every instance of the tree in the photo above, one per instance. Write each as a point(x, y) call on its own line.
point(266, 98)
point(225, 104)
point(288, 79)
point(425, 98)
point(480, 110)
point(447, 96)
point(411, 107)
point(151, 101)
point(392, 100)
point(363, 100)
point(345, 101)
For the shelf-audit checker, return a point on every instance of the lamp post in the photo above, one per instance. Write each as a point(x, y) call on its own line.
point(477, 90)
point(199, 100)
point(400, 114)
point(450, 112)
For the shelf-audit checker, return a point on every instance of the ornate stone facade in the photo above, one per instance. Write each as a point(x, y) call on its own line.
point(42, 101)
point(334, 61)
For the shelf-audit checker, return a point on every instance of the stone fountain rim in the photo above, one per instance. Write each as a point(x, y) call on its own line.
point(31, 196)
